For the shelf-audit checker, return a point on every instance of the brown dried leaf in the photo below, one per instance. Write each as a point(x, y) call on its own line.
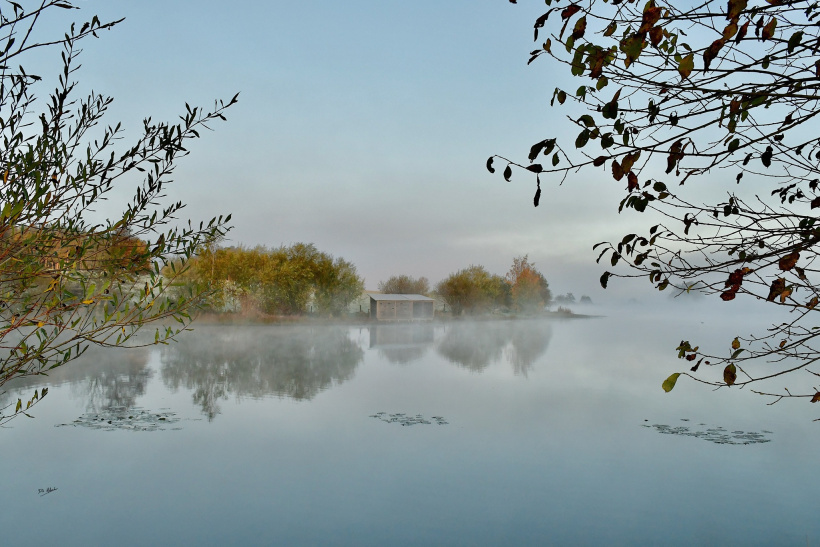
point(730, 374)
point(811, 304)
point(686, 66)
point(735, 8)
point(655, 35)
point(629, 160)
point(816, 397)
point(651, 15)
point(730, 30)
point(788, 262)
point(777, 287)
point(735, 343)
point(741, 34)
point(580, 28)
point(768, 30)
point(617, 170)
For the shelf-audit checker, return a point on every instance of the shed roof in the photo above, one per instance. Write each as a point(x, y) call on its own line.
point(415, 297)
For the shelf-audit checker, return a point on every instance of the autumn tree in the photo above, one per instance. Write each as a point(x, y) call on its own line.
point(528, 287)
point(280, 281)
point(67, 281)
point(404, 284)
point(703, 112)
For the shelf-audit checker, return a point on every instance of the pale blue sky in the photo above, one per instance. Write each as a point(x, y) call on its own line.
point(363, 127)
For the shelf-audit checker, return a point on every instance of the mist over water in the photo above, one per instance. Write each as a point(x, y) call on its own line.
point(466, 432)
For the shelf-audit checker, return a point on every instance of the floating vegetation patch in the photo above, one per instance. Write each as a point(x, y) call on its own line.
point(131, 419)
point(404, 419)
point(717, 435)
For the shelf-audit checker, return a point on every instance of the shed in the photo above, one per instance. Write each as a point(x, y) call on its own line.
point(401, 307)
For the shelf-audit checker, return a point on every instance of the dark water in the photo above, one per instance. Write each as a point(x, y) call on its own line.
point(491, 433)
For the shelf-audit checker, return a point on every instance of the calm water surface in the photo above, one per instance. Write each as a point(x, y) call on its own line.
point(488, 433)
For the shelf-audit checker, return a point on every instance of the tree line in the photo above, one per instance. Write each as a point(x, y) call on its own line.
point(299, 278)
point(474, 290)
point(286, 280)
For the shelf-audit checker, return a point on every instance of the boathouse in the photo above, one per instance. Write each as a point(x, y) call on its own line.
point(401, 307)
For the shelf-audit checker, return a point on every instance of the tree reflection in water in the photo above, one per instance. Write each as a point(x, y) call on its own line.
point(296, 362)
point(115, 381)
point(477, 345)
point(103, 378)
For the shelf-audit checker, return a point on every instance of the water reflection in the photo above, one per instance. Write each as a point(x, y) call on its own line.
point(115, 381)
point(296, 362)
point(477, 345)
point(404, 343)
point(101, 377)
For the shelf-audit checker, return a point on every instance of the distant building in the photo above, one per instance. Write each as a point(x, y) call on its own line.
point(401, 307)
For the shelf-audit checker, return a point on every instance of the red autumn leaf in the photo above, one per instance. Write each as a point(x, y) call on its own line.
point(728, 295)
point(711, 52)
point(632, 181)
point(735, 278)
point(569, 11)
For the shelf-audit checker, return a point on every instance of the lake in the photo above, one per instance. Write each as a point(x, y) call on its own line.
point(516, 432)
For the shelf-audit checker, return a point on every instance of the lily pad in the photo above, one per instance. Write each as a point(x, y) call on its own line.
point(122, 418)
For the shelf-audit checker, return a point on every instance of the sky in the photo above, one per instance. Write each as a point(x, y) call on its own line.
point(362, 126)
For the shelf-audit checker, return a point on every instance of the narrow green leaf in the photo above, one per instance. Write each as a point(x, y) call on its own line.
point(669, 383)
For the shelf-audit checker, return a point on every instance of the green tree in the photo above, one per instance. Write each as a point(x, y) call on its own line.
point(694, 108)
point(404, 284)
point(66, 282)
point(337, 285)
point(473, 290)
point(278, 281)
